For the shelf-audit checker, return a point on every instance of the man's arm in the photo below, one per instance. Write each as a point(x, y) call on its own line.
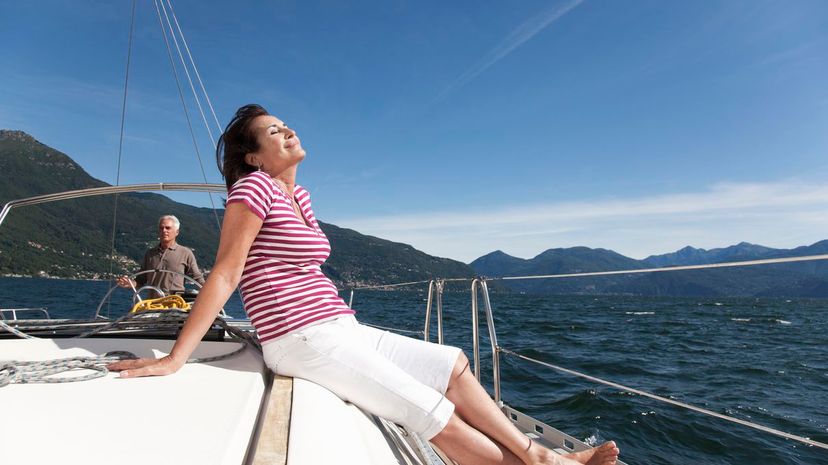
point(192, 269)
point(142, 279)
point(139, 281)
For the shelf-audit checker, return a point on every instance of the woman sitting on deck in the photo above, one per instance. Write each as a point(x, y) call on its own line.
point(271, 245)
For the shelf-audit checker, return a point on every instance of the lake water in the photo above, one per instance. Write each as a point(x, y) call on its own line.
point(762, 360)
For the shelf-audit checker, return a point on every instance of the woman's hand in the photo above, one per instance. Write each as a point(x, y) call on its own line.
point(146, 367)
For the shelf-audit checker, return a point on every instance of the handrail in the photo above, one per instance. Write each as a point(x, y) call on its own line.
point(106, 190)
point(475, 330)
point(492, 340)
point(439, 288)
point(428, 310)
point(487, 307)
point(435, 293)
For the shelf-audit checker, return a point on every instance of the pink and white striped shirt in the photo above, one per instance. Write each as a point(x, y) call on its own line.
point(283, 287)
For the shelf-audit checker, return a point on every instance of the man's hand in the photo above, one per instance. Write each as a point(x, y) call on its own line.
point(146, 367)
point(124, 281)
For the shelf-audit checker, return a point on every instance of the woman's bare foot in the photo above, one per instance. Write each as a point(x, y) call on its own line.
point(605, 454)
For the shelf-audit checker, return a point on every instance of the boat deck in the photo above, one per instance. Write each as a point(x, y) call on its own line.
point(205, 414)
point(229, 411)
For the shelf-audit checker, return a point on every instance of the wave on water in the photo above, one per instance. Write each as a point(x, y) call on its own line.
point(640, 313)
point(762, 320)
point(592, 440)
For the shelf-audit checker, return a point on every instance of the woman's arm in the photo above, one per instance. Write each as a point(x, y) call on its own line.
point(238, 232)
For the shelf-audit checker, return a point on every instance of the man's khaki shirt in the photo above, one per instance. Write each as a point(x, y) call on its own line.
point(174, 258)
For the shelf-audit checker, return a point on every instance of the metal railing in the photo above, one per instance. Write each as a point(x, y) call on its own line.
point(478, 285)
point(14, 311)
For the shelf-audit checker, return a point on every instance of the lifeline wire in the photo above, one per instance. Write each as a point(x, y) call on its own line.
point(767, 261)
point(766, 429)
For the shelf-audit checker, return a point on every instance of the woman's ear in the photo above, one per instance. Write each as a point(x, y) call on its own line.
point(250, 159)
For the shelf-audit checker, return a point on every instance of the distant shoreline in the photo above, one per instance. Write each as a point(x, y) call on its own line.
point(65, 278)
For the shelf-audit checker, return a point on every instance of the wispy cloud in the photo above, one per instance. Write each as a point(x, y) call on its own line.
point(515, 39)
point(782, 214)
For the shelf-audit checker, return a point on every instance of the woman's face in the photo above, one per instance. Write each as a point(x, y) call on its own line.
point(279, 147)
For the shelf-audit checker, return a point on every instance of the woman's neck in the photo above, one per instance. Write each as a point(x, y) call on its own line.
point(287, 180)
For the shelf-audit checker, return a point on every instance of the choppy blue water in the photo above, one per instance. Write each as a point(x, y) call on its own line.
point(763, 360)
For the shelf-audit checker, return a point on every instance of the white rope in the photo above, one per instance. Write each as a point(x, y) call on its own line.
point(670, 401)
point(15, 331)
point(673, 268)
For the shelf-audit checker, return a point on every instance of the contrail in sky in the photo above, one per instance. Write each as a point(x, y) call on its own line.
point(515, 39)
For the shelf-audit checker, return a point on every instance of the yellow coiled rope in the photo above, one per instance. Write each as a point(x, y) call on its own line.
point(162, 303)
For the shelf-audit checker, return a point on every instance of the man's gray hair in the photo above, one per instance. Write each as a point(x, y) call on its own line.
point(172, 218)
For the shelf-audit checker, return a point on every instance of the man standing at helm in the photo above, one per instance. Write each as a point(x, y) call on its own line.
point(167, 255)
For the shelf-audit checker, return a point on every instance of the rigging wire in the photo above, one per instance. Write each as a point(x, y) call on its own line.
point(184, 105)
point(120, 148)
point(187, 73)
point(195, 94)
point(195, 68)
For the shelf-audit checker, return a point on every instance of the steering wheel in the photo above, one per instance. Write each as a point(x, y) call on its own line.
point(136, 292)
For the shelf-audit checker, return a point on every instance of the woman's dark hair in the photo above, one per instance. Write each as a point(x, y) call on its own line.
point(236, 142)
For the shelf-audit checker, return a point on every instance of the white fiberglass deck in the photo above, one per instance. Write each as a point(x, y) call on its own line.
point(326, 430)
point(204, 414)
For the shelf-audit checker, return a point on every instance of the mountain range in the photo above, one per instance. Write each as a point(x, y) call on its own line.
point(804, 279)
point(74, 239)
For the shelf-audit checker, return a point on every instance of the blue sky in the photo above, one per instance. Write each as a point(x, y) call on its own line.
point(465, 127)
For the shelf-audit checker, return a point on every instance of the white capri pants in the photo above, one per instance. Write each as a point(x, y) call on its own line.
point(401, 379)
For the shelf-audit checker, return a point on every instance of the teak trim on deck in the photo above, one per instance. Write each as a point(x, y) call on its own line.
point(272, 444)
